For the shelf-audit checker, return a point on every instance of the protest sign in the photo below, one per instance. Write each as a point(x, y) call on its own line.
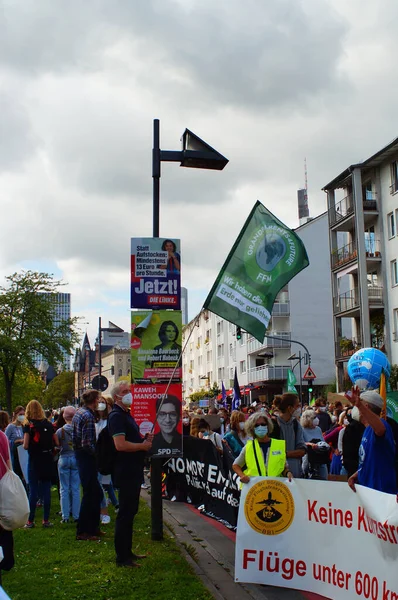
point(167, 427)
point(155, 273)
point(156, 338)
point(318, 537)
point(205, 476)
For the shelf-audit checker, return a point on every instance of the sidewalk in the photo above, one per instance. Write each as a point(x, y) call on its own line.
point(209, 547)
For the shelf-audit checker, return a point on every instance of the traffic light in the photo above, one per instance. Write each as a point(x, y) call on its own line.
point(310, 386)
point(238, 333)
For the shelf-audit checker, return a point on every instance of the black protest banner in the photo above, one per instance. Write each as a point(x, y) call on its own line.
point(206, 478)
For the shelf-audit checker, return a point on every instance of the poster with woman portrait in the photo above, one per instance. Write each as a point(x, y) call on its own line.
point(156, 338)
point(155, 273)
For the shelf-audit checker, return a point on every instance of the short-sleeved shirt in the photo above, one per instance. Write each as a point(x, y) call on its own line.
point(377, 461)
point(5, 453)
point(120, 422)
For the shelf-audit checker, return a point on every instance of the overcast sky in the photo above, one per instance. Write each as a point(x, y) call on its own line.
point(265, 82)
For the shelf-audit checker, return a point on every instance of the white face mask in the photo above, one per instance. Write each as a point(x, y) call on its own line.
point(297, 413)
point(221, 419)
point(241, 426)
point(127, 399)
point(355, 414)
point(322, 408)
point(346, 422)
point(101, 406)
point(185, 421)
point(21, 418)
point(315, 422)
point(334, 419)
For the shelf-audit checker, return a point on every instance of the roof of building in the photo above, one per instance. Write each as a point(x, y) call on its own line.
point(373, 161)
point(310, 220)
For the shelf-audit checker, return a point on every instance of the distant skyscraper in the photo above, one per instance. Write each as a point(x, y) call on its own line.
point(62, 312)
point(184, 305)
point(303, 210)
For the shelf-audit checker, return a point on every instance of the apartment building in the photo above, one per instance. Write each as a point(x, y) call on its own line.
point(302, 312)
point(362, 213)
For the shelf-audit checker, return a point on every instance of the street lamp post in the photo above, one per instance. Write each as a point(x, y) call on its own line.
point(299, 358)
point(196, 154)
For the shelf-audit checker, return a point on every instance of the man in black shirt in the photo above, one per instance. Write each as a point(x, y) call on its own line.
point(128, 470)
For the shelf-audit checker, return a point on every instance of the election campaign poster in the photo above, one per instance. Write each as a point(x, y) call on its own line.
point(147, 405)
point(156, 338)
point(318, 537)
point(155, 273)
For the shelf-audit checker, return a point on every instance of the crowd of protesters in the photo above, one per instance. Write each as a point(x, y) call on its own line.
point(351, 441)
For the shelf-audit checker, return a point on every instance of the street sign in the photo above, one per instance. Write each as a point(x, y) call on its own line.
point(309, 374)
point(100, 383)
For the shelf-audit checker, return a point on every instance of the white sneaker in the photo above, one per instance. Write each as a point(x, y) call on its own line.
point(145, 486)
point(105, 519)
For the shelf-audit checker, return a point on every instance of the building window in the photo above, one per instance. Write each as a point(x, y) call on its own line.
point(231, 373)
point(120, 372)
point(391, 225)
point(208, 336)
point(394, 177)
point(209, 356)
point(219, 327)
point(220, 351)
point(395, 317)
point(221, 373)
point(199, 361)
point(242, 339)
point(242, 367)
point(394, 272)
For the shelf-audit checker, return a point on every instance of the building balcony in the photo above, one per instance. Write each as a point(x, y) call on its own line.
point(281, 309)
point(345, 347)
point(254, 345)
point(267, 373)
point(349, 301)
point(344, 255)
point(341, 210)
point(394, 187)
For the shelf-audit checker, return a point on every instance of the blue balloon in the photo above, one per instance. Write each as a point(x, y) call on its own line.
point(365, 367)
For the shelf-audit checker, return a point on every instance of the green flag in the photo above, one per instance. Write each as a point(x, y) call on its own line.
point(265, 256)
point(291, 381)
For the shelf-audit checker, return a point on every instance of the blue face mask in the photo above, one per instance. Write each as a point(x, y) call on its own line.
point(261, 431)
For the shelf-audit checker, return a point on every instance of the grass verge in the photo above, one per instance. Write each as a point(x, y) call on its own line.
point(51, 565)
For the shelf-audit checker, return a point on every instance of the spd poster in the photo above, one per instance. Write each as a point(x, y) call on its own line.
point(156, 338)
point(168, 429)
point(155, 273)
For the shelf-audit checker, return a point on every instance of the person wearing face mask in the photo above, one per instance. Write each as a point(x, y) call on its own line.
point(67, 469)
point(104, 407)
point(84, 439)
point(287, 427)
point(186, 423)
point(376, 468)
point(315, 461)
point(325, 421)
point(14, 435)
point(205, 433)
point(262, 455)
point(128, 470)
point(351, 442)
point(236, 438)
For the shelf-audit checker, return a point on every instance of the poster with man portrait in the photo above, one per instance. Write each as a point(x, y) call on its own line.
point(155, 273)
point(161, 418)
point(156, 338)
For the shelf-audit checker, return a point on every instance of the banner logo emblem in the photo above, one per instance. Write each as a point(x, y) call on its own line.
point(269, 507)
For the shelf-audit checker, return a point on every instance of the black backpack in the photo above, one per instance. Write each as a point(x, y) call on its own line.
point(41, 435)
point(105, 452)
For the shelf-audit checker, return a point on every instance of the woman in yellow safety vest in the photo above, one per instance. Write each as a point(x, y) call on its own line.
point(261, 456)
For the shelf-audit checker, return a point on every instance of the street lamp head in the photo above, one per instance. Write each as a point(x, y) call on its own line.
point(292, 357)
point(198, 154)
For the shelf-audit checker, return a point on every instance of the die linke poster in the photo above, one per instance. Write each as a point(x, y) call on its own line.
point(155, 273)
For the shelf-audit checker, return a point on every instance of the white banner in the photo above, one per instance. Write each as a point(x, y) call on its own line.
point(318, 536)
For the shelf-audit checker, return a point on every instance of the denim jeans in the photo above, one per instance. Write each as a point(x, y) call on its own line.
point(69, 486)
point(45, 486)
point(89, 516)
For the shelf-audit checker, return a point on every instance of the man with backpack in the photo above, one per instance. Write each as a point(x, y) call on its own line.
point(83, 438)
point(128, 470)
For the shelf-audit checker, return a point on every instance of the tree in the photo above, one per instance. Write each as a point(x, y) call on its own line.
point(60, 391)
point(28, 324)
point(28, 385)
point(394, 377)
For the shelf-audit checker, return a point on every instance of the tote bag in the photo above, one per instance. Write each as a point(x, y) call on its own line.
point(14, 505)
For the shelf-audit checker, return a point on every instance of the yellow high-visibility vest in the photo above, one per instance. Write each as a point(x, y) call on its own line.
point(276, 459)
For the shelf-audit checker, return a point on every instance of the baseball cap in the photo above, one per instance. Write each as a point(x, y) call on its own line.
point(373, 398)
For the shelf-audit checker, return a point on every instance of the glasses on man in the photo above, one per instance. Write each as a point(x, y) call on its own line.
point(167, 415)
